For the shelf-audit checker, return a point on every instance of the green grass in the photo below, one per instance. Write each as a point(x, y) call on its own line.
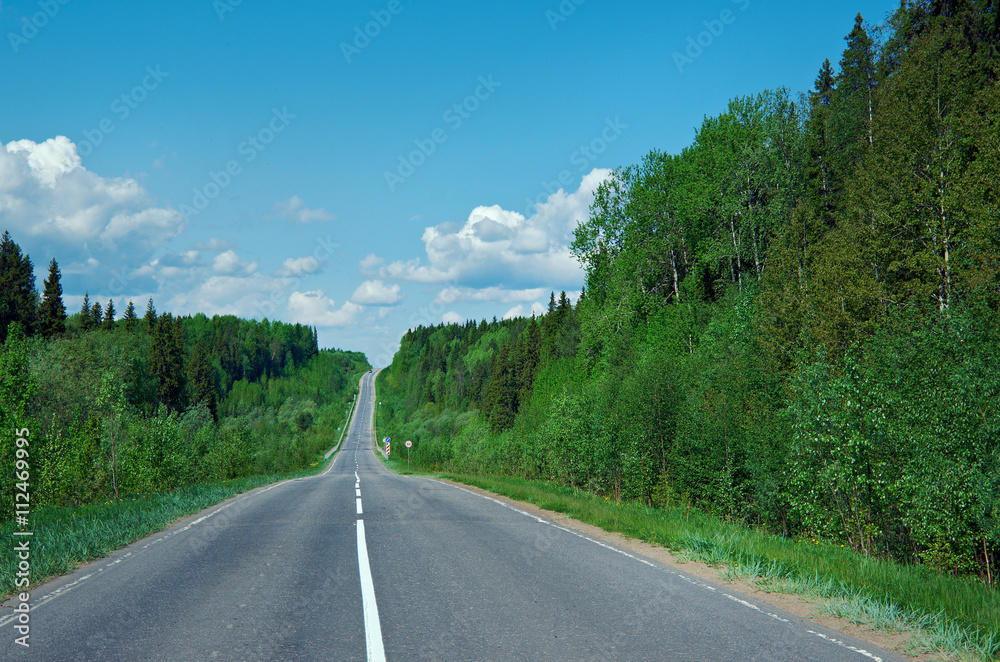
point(958, 615)
point(64, 538)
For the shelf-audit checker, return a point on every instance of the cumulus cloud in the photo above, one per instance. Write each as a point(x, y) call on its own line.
point(294, 209)
point(452, 294)
point(536, 309)
point(46, 192)
point(496, 245)
point(376, 293)
point(315, 309)
point(251, 296)
point(451, 317)
point(230, 263)
point(300, 266)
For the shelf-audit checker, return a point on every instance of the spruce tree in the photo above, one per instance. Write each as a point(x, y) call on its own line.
point(168, 360)
point(825, 184)
point(96, 315)
point(129, 316)
point(201, 378)
point(150, 317)
point(500, 394)
point(86, 322)
point(18, 297)
point(109, 316)
point(52, 313)
point(854, 98)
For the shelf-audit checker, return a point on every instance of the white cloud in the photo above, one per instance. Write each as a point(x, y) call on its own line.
point(536, 309)
point(451, 317)
point(516, 311)
point(294, 209)
point(495, 245)
point(300, 266)
point(249, 296)
point(315, 309)
point(450, 295)
point(376, 293)
point(371, 264)
point(46, 192)
point(230, 263)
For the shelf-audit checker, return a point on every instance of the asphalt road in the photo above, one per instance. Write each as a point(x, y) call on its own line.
point(360, 564)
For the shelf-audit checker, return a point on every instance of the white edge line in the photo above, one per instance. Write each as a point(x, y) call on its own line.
point(373, 627)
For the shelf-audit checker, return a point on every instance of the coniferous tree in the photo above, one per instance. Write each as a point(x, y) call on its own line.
point(18, 297)
point(52, 313)
point(109, 315)
point(86, 322)
point(530, 356)
point(201, 378)
point(129, 316)
point(500, 399)
point(150, 316)
point(854, 99)
point(823, 185)
point(168, 360)
point(96, 315)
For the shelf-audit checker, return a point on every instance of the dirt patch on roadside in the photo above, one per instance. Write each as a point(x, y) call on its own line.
point(804, 607)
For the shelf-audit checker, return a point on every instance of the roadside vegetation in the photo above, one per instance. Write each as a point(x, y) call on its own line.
point(131, 422)
point(790, 327)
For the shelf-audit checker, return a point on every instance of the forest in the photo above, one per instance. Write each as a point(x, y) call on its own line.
point(134, 404)
point(791, 324)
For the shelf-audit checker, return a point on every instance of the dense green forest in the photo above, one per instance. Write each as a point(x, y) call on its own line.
point(792, 323)
point(137, 404)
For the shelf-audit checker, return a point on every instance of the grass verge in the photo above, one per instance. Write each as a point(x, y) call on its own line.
point(63, 538)
point(958, 616)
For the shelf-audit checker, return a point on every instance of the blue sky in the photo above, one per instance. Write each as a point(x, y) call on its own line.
point(362, 167)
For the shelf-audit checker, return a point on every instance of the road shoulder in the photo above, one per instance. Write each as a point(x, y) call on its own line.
point(808, 608)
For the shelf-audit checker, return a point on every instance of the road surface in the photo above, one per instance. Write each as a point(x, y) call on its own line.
point(358, 563)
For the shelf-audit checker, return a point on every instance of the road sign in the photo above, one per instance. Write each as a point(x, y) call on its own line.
point(387, 440)
point(409, 444)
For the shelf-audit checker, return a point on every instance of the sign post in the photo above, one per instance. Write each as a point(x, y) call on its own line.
point(409, 444)
point(387, 440)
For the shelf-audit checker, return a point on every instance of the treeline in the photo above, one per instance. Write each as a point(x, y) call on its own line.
point(128, 405)
point(792, 323)
point(441, 371)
